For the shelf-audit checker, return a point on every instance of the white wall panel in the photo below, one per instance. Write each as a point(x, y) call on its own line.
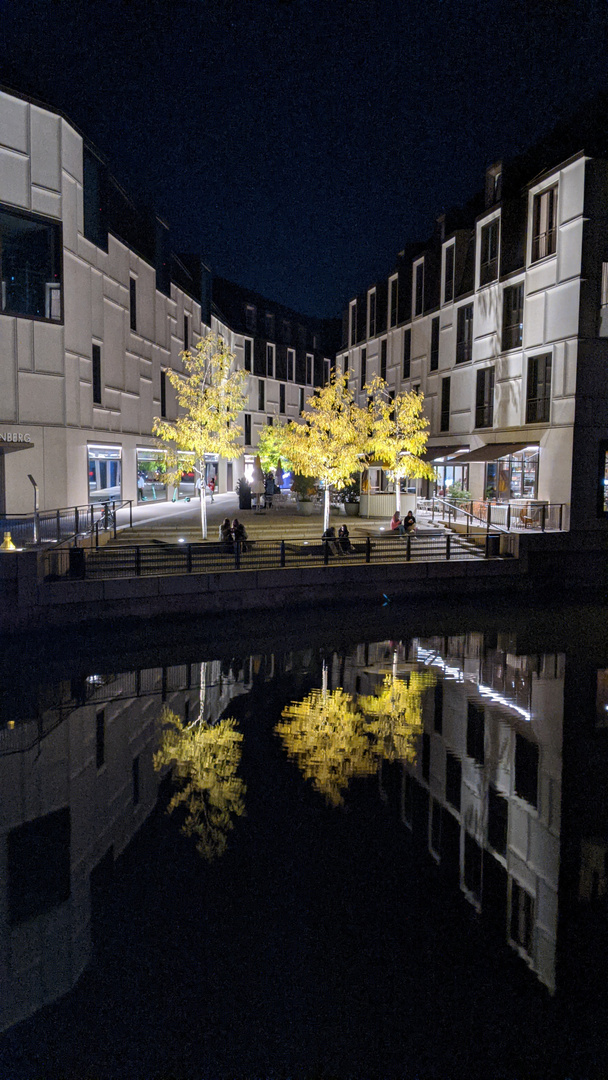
point(77, 304)
point(40, 398)
point(571, 191)
point(72, 389)
point(8, 368)
point(569, 250)
point(25, 344)
point(13, 123)
point(96, 283)
point(113, 344)
point(534, 320)
point(15, 173)
point(46, 202)
point(69, 202)
point(562, 311)
point(45, 148)
point(48, 348)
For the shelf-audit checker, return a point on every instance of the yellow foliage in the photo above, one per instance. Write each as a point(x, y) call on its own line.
point(329, 442)
point(398, 431)
point(396, 715)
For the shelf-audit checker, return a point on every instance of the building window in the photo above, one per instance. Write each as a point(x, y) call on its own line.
point(151, 475)
point(498, 821)
point(444, 424)
point(286, 331)
point(407, 353)
point(512, 317)
point(94, 199)
point(538, 396)
point(302, 402)
point(247, 429)
point(488, 267)
point(383, 359)
point(453, 780)
point(250, 318)
point(394, 292)
point(30, 266)
point(464, 334)
point(522, 918)
point(371, 320)
point(309, 368)
point(247, 353)
point(448, 280)
point(261, 395)
point(163, 393)
point(484, 398)
point(526, 769)
point(291, 365)
point(269, 325)
point(96, 374)
point(476, 732)
point(270, 360)
point(186, 333)
point(100, 739)
point(544, 224)
point(135, 778)
point(435, 343)
point(269, 421)
point(416, 388)
point(282, 397)
point(419, 289)
point(363, 376)
point(104, 473)
point(353, 323)
point(133, 303)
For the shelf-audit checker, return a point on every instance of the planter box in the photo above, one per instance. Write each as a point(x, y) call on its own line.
point(306, 508)
point(351, 509)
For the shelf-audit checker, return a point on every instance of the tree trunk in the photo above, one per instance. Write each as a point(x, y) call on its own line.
point(201, 472)
point(398, 494)
point(326, 508)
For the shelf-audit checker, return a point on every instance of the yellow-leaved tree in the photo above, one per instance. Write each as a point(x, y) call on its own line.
point(210, 396)
point(271, 447)
point(398, 434)
point(329, 440)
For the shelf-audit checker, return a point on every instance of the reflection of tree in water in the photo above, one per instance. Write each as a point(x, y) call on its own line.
point(325, 735)
point(205, 760)
point(334, 736)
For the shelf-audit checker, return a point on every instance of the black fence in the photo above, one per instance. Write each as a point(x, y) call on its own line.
point(59, 526)
point(209, 558)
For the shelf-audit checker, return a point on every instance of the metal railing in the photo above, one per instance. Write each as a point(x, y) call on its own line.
point(64, 525)
point(78, 563)
point(502, 517)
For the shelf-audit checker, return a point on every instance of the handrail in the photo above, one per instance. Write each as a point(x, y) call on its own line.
point(51, 526)
point(458, 508)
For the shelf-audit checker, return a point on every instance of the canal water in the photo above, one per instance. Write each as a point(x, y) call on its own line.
point(370, 847)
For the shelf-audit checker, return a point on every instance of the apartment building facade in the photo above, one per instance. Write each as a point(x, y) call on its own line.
point(500, 320)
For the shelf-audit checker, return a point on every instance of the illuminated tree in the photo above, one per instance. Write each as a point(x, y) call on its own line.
point(210, 395)
point(394, 713)
point(398, 434)
point(331, 437)
point(270, 447)
point(205, 759)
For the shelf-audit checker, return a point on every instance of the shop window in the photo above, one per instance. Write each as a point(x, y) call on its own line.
point(434, 344)
point(538, 395)
point(187, 481)
point(484, 398)
point(464, 334)
point(105, 473)
point(544, 224)
point(30, 266)
point(247, 352)
point(513, 317)
point(513, 478)
point(488, 266)
point(407, 353)
point(444, 423)
point(448, 278)
point(151, 475)
point(38, 866)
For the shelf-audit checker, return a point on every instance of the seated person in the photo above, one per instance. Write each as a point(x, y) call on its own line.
point(397, 524)
point(409, 522)
point(226, 534)
point(332, 543)
point(344, 540)
point(239, 533)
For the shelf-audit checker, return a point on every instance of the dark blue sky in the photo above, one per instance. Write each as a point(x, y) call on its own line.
point(298, 144)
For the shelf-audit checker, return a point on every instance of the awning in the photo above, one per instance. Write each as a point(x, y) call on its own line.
point(434, 453)
point(494, 451)
point(10, 447)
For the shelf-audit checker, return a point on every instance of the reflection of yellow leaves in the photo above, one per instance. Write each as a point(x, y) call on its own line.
point(325, 735)
point(396, 710)
point(205, 759)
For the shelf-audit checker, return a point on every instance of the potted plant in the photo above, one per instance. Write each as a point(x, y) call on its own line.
point(304, 488)
point(243, 488)
point(458, 494)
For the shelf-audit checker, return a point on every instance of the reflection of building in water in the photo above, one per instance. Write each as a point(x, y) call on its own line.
point(77, 783)
point(485, 788)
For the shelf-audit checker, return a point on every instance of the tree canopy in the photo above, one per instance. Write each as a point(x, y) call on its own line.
point(398, 433)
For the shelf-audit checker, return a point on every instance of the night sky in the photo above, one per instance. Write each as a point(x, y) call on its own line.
point(297, 145)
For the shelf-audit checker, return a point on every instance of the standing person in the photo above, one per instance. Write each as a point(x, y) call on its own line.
point(269, 490)
point(141, 483)
point(212, 487)
point(397, 524)
point(199, 486)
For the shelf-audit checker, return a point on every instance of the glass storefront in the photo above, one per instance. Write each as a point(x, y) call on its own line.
point(448, 475)
point(105, 473)
point(151, 475)
point(513, 477)
point(186, 488)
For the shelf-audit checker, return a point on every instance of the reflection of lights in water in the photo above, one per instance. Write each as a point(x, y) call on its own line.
point(434, 660)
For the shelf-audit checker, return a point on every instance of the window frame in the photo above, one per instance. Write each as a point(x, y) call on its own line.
point(448, 295)
point(484, 409)
point(393, 300)
point(539, 404)
point(509, 338)
point(434, 348)
point(418, 288)
point(464, 344)
point(489, 248)
point(543, 241)
point(56, 259)
point(371, 313)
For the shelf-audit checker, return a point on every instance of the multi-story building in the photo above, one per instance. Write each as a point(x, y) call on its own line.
point(500, 320)
point(94, 310)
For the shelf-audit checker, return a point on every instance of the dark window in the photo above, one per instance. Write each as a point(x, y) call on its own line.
point(163, 393)
point(444, 422)
point(426, 756)
point(269, 421)
point(309, 360)
point(394, 290)
point(484, 398)
point(133, 303)
point(353, 324)
point(291, 365)
point(95, 199)
point(439, 706)
point(512, 317)
point(407, 353)
point(538, 398)
point(488, 267)
point(522, 917)
point(472, 865)
point(498, 821)
point(100, 739)
point(96, 374)
point(372, 314)
point(464, 334)
point(261, 395)
point(453, 780)
point(302, 402)
point(247, 350)
point(247, 429)
point(30, 266)
point(383, 359)
point(544, 224)
point(286, 331)
point(475, 732)
point(282, 397)
point(250, 318)
point(419, 289)
point(435, 343)
point(448, 284)
point(135, 775)
point(270, 361)
point(363, 378)
point(186, 333)
point(38, 866)
point(269, 324)
point(526, 769)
